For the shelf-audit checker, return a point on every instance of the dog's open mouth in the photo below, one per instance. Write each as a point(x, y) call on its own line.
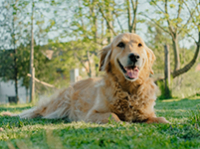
point(131, 72)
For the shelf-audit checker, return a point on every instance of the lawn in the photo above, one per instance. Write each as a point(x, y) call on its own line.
point(184, 132)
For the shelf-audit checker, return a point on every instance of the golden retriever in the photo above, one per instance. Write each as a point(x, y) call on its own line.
point(124, 93)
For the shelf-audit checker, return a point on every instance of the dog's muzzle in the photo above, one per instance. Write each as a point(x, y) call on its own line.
point(133, 57)
point(131, 70)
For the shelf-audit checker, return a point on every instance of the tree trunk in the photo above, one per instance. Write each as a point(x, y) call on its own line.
point(15, 75)
point(109, 25)
point(89, 64)
point(134, 5)
point(129, 15)
point(132, 22)
point(176, 52)
point(167, 72)
point(191, 63)
point(27, 95)
point(15, 56)
point(32, 59)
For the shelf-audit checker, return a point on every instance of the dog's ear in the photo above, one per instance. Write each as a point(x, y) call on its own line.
point(105, 54)
point(150, 58)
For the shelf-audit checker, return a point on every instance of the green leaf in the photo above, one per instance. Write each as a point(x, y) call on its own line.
point(172, 6)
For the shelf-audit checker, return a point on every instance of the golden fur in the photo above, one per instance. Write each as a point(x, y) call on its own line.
point(111, 97)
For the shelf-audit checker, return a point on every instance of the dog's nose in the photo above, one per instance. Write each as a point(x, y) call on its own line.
point(134, 57)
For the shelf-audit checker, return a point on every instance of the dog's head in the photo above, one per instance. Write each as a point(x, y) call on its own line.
point(128, 55)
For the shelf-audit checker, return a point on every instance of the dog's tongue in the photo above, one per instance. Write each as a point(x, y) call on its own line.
point(132, 72)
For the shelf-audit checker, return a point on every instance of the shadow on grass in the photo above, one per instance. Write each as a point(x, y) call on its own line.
point(12, 122)
point(13, 108)
point(16, 122)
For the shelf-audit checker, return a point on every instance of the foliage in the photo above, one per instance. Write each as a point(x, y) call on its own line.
point(76, 30)
point(7, 64)
point(42, 133)
point(172, 19)
point(157, 40)
point(163, 94)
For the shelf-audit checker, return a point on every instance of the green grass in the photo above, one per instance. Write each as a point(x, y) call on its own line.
point(184, 132)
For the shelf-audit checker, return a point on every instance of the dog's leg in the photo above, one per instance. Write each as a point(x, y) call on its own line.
point(9, 114)
point(29, 113)
point(157, 120)
point(98, 117)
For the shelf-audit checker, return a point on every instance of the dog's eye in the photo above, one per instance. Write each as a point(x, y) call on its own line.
point(139, 45)
point(121, 45)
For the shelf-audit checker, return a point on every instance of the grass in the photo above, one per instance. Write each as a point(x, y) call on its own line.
point(184, 132)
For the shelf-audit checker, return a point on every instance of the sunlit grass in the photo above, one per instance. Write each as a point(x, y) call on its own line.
point(184, 132)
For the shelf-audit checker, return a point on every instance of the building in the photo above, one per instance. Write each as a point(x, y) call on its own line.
point(7, 92)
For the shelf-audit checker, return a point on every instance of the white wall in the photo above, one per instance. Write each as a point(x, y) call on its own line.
point(8, 89)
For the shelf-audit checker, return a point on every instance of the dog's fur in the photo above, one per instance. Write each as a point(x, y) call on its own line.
point(114, 96)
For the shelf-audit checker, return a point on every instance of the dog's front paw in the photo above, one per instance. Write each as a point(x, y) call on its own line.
point(157, 120)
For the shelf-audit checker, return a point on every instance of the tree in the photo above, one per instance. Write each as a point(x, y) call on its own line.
point(156, 41)
point(94, 23)
point(11, 24)
point(15, 35)
point(195, 27)
point(32, 69)
point(176, 26)
point(132, 17)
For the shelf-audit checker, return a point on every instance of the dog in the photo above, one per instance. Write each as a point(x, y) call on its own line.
point(124, 93)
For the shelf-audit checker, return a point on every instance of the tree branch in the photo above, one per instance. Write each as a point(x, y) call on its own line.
point(120, 25)
point(191, 36)
point(44, 83)
point(134, 6)
point(168, 20)
point(82, 63)
point(129, 15)
point(108, 22)
point(191, 63)
point(79, 5)
point(157, 24)
point(178, 16)
point(89, 63)
point(158, 6)
point(191, 14)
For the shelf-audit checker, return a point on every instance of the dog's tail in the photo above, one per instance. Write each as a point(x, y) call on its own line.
point(57, 107)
